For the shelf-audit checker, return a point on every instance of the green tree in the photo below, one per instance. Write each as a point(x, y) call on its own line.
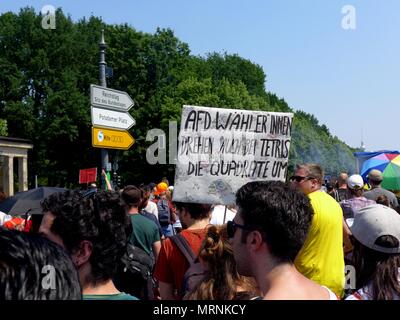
point(44, 94)
point(3, 128)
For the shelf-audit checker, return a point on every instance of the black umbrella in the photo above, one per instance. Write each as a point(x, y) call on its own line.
point(28, 201)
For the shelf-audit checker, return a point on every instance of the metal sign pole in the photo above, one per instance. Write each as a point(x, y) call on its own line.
point(103, 83)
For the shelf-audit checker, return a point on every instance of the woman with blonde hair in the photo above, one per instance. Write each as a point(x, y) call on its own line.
point(221, 280)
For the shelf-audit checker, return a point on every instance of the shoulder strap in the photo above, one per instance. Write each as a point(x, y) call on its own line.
point(184, 247)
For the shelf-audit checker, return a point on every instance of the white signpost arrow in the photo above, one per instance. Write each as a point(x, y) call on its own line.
point(110, 98)
point(110, 109)
point(112, 119)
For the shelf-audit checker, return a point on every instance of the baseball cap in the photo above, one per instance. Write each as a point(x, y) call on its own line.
point(374, 221)
point(355, 181)
point(161, 187)
point(375, 175)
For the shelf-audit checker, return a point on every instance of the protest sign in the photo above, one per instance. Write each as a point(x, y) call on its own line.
point(220, 150)
point(87, 175)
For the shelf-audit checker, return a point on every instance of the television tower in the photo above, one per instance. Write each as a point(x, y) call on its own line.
point(362, 146)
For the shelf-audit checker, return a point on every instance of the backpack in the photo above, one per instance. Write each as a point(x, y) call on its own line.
point(164, 214)
point(196, 272)
point(135, 273)
point(137, 261)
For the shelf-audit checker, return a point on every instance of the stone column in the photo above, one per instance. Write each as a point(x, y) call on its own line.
point(23, 173)
point(8, 175)
point(2, 172)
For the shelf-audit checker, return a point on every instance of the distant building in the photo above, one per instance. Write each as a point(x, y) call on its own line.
point(14, 149)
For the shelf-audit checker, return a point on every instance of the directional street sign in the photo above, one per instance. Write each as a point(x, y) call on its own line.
point(110, 109)
point(111, 139)
point(112, 119)
point(110, 98)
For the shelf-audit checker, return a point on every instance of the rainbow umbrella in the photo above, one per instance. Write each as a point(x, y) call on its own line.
point(389, 164)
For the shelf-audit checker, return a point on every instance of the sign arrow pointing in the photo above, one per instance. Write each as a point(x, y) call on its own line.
point(110, 98)
point(112, 118)
point(111, 139)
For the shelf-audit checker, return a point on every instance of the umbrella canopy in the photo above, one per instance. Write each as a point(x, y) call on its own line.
point(389, 165)
point(22, 202)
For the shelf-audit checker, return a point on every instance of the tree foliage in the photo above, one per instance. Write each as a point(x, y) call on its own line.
point(44, 94)
point(3, 127)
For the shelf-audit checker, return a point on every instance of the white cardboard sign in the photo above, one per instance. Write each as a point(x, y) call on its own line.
point(220, 150)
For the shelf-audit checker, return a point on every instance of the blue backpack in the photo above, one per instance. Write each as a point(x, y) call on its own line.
point(164, 214)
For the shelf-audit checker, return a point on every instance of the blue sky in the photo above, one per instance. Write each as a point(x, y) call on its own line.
point(349, 79)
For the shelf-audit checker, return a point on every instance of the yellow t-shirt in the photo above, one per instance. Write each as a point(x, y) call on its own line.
point(321, 257)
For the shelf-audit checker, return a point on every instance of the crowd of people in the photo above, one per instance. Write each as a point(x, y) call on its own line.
point(281, 241)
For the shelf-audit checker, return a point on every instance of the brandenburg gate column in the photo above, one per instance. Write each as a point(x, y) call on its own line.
point(8, 175)
point(23, 173)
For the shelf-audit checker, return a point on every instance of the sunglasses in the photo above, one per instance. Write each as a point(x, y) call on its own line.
point(300, 178)
point(231, 227)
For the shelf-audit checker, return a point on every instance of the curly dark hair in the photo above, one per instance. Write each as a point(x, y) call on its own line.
point(26, 261)
point(281, 214)
point(100, 219)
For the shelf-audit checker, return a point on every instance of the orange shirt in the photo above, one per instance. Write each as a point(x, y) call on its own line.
point(172, 264)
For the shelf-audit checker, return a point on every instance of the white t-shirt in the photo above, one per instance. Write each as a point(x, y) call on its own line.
point(152, 208)
point(217, 215)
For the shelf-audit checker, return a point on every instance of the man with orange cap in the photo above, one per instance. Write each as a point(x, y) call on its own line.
point(164, 210)
point(162, 187)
